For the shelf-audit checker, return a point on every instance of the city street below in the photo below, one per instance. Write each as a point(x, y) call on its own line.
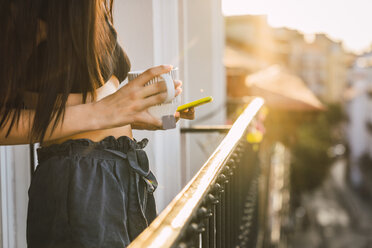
point(333, 216)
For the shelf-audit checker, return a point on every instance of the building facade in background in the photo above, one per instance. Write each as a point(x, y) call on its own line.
point(359, 110)
point(321, 62)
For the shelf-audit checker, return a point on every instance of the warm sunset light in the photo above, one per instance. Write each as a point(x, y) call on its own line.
point(220, 123)
point(346, 20)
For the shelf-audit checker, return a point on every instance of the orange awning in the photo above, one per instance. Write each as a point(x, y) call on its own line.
point(282, 90)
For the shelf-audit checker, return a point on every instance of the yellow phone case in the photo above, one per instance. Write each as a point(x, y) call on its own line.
point(195, 103)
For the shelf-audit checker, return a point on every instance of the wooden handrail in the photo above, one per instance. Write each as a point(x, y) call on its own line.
point(166, 228)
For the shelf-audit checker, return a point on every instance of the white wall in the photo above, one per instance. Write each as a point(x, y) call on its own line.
point(14, 181)
point(149, 34)
point(202, 44)
point(357, 124)
point(202, 51)
point(357, 133)
point(188, 34)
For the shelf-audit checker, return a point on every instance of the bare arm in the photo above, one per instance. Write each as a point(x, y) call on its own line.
point(128, 105)
point(78, 118)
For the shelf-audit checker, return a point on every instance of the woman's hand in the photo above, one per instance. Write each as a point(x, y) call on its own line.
point(148, 126)
point(188, 114)
point(130, 103)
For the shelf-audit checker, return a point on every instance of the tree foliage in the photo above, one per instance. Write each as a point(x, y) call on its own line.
point(310, 136)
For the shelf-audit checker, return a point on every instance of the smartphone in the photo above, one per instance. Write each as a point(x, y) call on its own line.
point(195, 103)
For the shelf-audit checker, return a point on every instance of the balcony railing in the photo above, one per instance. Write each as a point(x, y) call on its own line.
point(239, 198)
point(220, 206)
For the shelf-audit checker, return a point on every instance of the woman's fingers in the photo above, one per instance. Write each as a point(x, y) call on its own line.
point(160, 87)
point(153, 89)
point(177, 115)
point(154, 99)
point(177, 83)
point(149, 74)
point(136, 97)
point(178, 92)
point(188, 114)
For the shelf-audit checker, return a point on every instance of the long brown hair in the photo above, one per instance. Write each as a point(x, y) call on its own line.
point(76, 53)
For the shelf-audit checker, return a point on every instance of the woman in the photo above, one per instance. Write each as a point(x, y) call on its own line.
point(59, 78)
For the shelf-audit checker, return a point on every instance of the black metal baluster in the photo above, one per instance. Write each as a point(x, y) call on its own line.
point(212, 201)
point(203, 214)
point(222, 179)
point(194, 230)
point(217, 190)
point(235, 203)
point(212, 228)
point(223, 219)
point(218, 225)
point(227, 174)
point(228, 217)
